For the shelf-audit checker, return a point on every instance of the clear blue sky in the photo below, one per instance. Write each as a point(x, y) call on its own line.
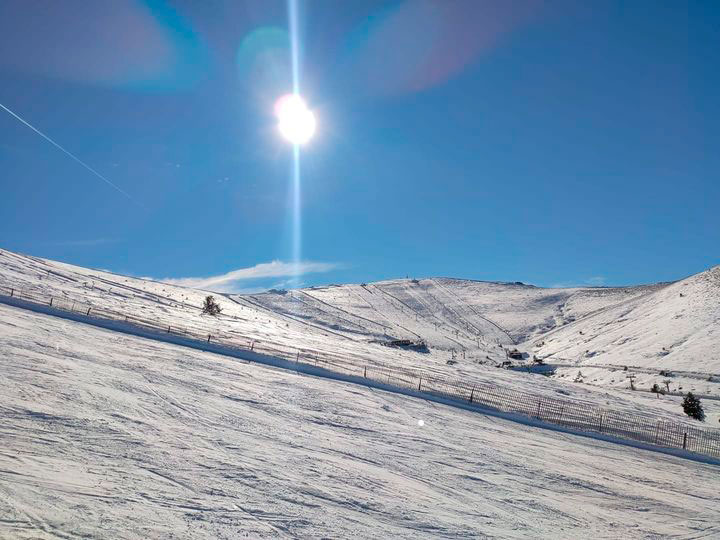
point(547, 142)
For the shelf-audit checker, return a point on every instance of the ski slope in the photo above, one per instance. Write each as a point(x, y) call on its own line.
point(676, 327)
point(597, 336)
point(467, 324)
point(458, 319)
point(107, 435)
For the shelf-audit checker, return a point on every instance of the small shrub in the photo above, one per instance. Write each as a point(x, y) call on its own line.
point(693, 408)
point(210, 306)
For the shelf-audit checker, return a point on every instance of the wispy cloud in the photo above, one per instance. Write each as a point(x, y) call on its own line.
point(235, 281)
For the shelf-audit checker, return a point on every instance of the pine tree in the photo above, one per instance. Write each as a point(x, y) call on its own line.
point(210, 306)
point(693, 407)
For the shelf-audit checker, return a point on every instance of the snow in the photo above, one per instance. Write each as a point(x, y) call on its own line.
point(113, 435)
point(469, 322)
point(108, 435)
point(674, 327)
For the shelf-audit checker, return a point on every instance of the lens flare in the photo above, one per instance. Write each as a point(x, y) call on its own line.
point(296, 122)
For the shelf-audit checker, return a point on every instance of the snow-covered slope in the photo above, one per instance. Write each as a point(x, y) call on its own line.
point(676, 327)
point(666, 326)
point(465, 323)
point(106, 435)
point(451, 313)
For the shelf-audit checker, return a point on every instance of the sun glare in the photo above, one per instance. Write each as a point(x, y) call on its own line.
point(295, 121)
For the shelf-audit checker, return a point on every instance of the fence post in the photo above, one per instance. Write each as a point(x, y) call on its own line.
point(365, 372)
point(208, 338)
point(601, 422)
point(657, 431)
point(168, 331)
point(472, 393)
point(419, 384)
point(297, 358)
point(12, 291)
point(562, 410)
point(51, 299)
point(685, 441)
point(537, 415)
point(73, 307)
point(88, 312)
point(252, 345)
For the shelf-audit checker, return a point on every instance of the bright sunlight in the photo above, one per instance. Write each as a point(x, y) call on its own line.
point(295, 121)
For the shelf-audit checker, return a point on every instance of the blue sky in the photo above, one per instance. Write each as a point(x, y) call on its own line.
point(547, 142)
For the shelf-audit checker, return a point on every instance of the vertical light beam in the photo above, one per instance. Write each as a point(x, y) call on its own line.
point(294, 45)
point(295, 60)
point(296, 237)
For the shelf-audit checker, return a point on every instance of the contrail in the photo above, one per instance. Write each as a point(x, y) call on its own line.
point(81, 162)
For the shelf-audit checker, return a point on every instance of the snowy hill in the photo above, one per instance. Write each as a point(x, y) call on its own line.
point(651, 328)
point(468, 326)
point(450, 313)
point(669, 336)
point(675, 327)
point(107, 435)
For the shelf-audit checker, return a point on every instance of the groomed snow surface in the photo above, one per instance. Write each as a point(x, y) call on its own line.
point(469, 324)
point(106, 435)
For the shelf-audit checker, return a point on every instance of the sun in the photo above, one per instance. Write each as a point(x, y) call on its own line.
point(295, 121)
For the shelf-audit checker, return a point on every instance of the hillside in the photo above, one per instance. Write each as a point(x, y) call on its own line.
point(449, 313)
point(676, 327)
point(669, 337)
point(468, 325)
point(106, 432)
point(652, 329)
point(107, 435)
point(338, 322)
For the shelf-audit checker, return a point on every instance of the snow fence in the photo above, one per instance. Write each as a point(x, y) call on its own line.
point(567, 414)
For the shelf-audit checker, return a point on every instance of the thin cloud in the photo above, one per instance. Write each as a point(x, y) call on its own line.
point(234, 281)
point(244, 290)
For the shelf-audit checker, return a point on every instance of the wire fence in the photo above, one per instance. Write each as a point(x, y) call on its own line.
point(565, 413)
